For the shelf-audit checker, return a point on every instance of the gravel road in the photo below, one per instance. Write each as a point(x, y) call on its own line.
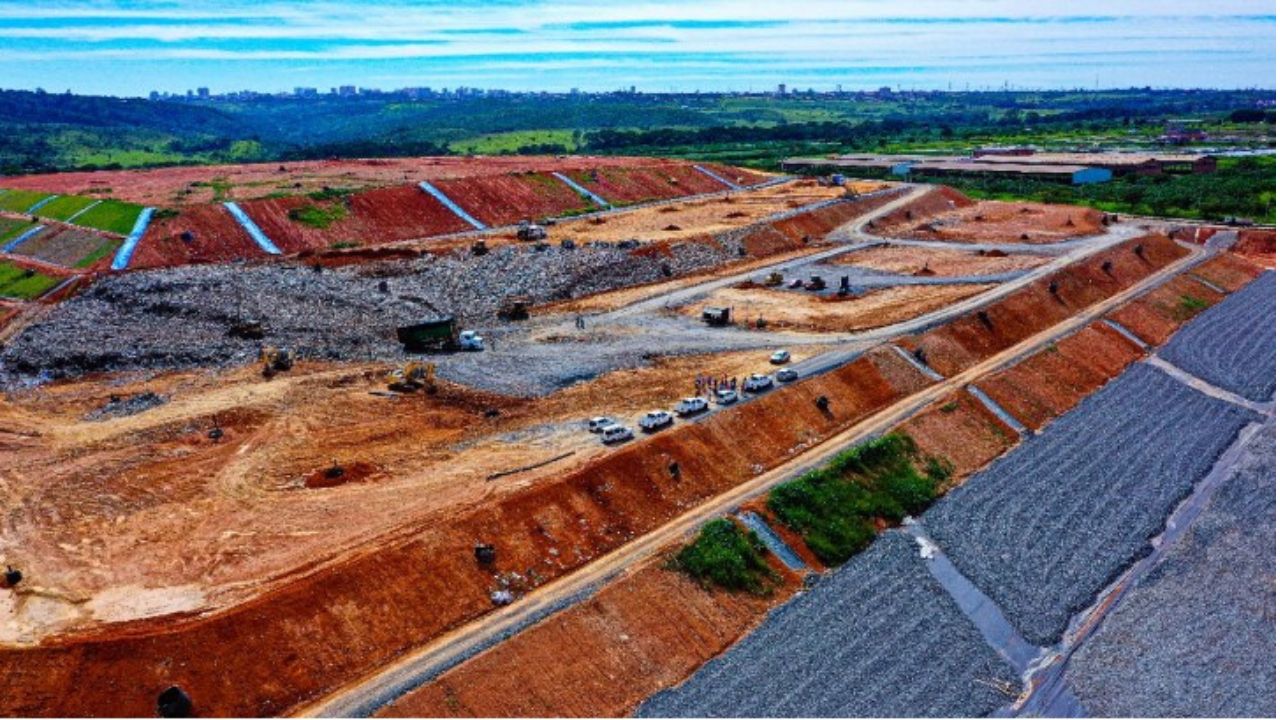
point(1233, 344)
point(877, 637)
point(1047, 526)
point(1197, 637)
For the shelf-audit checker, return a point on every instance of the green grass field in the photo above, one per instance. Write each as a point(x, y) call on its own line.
point(510, 142)
point(20, 200)
point(17, 282)
point(11, 228)
point(65, 206)
point(111, 215)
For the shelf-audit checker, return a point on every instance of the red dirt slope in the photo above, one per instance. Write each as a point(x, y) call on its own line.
point(214, 236)
point(373, 217)
point(1054, 380)
point(498, 200)
point(964, 342)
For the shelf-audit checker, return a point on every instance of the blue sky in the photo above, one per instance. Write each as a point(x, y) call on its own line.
point(130, 48)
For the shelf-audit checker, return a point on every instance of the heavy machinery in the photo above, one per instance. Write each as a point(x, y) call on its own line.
point(529, 231)
point(774, 279)
point(412, 377)
point(816, 282)
point(716, 316)
point(438, 336)
point(275, 360)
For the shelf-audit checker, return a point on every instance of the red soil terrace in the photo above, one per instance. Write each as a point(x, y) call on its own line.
point(162, 187)
point(497, 200)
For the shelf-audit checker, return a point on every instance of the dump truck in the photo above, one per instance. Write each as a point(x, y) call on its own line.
point(716, 316)
point(530, 231)
point(440, 335)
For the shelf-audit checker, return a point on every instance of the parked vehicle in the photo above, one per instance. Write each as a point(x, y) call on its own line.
point(656, 419)
point(757, 382)
point(781, 357)
point(691, 406)
point(615, 433)
point(716, 316)
point(438, 335)
point(596, 424)
point(787, 375)
point(726, 397)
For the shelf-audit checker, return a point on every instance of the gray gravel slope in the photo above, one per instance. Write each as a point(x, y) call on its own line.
point(1197, 637)
point(1233, 344)
point(877, 637)
point(1048, 525)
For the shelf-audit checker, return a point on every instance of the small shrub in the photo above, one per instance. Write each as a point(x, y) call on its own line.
point(1189, 306)
point(726, 556)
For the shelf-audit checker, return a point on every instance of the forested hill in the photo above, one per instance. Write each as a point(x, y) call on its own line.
point(43, 131)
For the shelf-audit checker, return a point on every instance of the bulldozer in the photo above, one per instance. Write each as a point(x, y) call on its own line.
point(412, 377)
point(529, 232)
point(774, 279)
point(515, 307)
point(275, 360)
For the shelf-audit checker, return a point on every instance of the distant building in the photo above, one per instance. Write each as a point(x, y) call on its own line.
point(203, 93)
point(1074, 174)
point(306, 92)
point(348, 90)
point(1004, 150)
point(782, 88)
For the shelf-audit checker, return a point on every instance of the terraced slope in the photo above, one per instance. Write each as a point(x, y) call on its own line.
point(878, 637)
point(1217, 587)
point(1048, 525)
point(1233, 345)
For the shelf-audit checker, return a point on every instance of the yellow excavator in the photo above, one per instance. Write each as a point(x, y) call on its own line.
point(412, 377)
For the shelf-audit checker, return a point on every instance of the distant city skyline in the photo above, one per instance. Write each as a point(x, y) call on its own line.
point(131, 48)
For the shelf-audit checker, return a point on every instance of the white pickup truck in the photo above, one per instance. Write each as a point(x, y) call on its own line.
point(691, 406)
point(757, 383)
point(655, 420)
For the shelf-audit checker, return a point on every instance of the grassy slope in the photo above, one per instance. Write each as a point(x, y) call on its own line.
point(15, 282)
point(111, 215)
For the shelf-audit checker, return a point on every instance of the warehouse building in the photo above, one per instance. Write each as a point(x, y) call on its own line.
point(1073, 174)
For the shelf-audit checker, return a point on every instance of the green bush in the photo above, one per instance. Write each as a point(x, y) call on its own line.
point(834, 508)
point(726, 556)
point(317, 216)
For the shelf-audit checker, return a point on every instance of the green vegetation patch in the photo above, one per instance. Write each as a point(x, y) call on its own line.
point(1189, 307)
point(319, 217)
point(63, 207)
point(834, 508)
point(112, 216)
point(23, 284)
point(20, 200)
point(726, 556)
point(11, 228)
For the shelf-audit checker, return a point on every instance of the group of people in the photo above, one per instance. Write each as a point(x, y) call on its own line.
point(709, 385)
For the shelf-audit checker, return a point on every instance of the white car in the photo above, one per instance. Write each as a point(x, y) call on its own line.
point(470, 340)
point(786, 375)
point(691, 406)
point(615, 433)
point(596, 424)
point(726, 397)
point(656, 419)
point(757, 382)
point(781, 357)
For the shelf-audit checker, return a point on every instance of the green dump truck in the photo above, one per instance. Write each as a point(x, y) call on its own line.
point(438, 336)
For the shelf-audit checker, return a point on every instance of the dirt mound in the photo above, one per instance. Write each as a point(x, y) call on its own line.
point(964, 342)
point(1051, 382)
point(1259, 245)
point(947, 216)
